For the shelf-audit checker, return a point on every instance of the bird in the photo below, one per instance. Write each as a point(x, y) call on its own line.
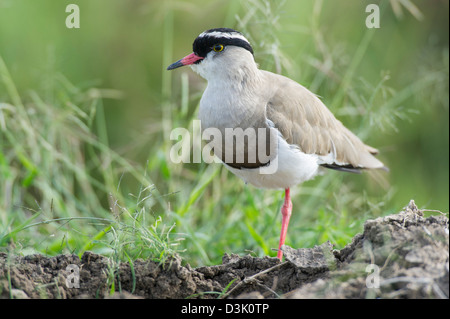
point(295, 136)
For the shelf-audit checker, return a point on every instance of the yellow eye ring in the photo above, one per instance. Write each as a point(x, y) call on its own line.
point(218, 47)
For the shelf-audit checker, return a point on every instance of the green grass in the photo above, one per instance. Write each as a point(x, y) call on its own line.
point(84, 164)
point(60, 193)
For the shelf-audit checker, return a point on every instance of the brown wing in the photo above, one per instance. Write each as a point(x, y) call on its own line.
point(305, 121)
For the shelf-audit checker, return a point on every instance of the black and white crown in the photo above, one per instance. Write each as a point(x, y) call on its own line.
point(204, 43)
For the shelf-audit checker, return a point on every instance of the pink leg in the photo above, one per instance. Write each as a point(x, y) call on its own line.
point(286, 211)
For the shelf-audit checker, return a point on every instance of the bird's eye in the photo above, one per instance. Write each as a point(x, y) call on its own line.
point(218, 47)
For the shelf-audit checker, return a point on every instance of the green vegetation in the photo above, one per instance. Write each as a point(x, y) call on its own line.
point(86, 116)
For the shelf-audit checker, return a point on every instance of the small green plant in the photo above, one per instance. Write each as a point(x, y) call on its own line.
point(220, 294)
point(134, 235)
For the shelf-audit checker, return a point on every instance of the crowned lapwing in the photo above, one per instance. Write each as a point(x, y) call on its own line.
point(295, 136)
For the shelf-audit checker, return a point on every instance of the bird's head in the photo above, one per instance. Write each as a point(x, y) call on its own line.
point(217, 51)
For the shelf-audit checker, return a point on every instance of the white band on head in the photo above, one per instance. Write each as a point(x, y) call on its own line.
point(228, 35)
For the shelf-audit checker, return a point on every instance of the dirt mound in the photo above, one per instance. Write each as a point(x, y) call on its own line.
point(398, 256)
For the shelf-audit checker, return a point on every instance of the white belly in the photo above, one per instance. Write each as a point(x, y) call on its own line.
point(291, 167)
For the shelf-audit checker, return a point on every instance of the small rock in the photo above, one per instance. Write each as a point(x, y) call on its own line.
point(311, 260)
point(18, 294)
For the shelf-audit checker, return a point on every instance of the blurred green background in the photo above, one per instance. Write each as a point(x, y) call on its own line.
point(86, 114)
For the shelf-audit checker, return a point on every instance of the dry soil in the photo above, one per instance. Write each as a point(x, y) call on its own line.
point(399, 256)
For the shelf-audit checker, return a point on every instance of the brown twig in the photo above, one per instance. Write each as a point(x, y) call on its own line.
point(253, 279)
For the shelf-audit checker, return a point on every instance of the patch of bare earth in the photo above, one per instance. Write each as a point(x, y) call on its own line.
point(398, 256)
